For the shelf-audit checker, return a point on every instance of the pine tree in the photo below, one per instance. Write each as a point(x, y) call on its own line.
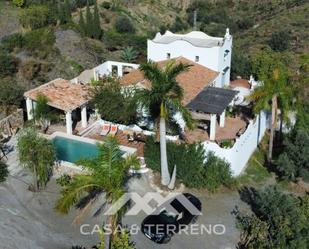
point(81, 23)
point(89, 22)
point(97, 31)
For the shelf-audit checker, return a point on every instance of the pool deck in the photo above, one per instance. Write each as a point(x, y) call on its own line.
point(71, 168)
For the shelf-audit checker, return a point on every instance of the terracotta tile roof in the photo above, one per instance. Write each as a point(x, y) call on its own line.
point(193, 81)
point(240, 83)
point(62, 94)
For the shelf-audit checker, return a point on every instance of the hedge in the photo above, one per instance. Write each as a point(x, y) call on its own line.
point(195, 168)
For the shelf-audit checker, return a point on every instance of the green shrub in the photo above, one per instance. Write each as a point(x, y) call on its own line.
point(3, 171)
point(77, 67)
point(40, 41)
point(178, 25)
point(114, 40)
point(124, 25)
point(192, 167)
point(81, 3)
point(245, 23)
point(36, 16)
point(13, 41)
point(19, 3)
point(8, 64)
point(227, 143)
point(278, 220)
point(11, 94)
point(217, 172)
point(279, 41)
point(106, 5)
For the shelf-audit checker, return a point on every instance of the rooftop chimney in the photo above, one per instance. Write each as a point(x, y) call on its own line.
point(227, 34)
point(194, 20)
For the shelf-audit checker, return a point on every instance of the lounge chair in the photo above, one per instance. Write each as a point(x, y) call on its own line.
point(114, 130)
point(105, 129)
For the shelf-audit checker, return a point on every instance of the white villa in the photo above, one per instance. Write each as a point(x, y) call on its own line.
point(208, 93)
point(211, 52)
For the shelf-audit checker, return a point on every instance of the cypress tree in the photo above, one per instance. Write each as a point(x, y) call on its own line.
point(97, 31)
point(61, 14)
point(89, 22)
point(81, 23)
point(67, 11)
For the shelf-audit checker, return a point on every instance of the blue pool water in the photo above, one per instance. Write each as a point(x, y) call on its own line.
point(72, 150)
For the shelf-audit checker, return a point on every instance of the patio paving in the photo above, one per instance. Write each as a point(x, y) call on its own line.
point(123, 140)
point(232, 127)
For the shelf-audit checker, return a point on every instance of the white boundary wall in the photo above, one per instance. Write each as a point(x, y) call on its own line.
point(244, 146)
point(106, 67)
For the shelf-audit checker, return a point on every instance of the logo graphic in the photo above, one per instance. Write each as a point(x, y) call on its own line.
point(142, 203)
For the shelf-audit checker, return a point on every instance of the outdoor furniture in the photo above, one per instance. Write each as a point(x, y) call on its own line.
point(202, 126)
point(105, 129)
point(129, 135)
point(139, 137)
point(130, 138)
point(114, 130)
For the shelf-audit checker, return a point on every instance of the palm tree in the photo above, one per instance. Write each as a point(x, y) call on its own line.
point(129, 54)
point(106, 173)
point(42, 113)
point(274, 91)
point(164, 96)
point(36, 154)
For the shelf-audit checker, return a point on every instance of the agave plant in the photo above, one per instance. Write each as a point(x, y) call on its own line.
point(129, 54)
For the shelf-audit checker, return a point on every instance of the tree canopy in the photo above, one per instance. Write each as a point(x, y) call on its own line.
point(270, 68)
point(114, 103)
point(279, 220)
point(11, 94)
point(294, 161)
point(36, 154)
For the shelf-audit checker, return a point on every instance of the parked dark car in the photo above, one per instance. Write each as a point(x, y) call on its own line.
point(161, 227)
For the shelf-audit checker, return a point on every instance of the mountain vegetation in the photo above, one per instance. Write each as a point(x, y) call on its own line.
point(105, 28)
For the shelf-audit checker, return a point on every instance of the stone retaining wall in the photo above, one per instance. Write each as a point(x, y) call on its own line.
point(12, 122)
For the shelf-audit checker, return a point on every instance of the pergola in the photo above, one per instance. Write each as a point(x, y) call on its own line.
point(209, 103)
point(62, 95)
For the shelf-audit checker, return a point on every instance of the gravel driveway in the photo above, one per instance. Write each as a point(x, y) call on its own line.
point(28, 221)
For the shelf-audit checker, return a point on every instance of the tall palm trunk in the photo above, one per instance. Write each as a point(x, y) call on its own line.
point(165, 175)
point(274, 109)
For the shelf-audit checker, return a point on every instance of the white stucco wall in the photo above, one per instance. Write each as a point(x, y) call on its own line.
point(212, 57)
point(106, 67)
point(244, 146)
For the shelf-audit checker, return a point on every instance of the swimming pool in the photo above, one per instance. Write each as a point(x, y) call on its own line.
point(70, 150)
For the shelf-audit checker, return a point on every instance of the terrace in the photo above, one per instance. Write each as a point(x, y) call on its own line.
point(208, 108)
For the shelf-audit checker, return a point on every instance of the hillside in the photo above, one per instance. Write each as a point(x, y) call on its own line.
point(70, 51)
